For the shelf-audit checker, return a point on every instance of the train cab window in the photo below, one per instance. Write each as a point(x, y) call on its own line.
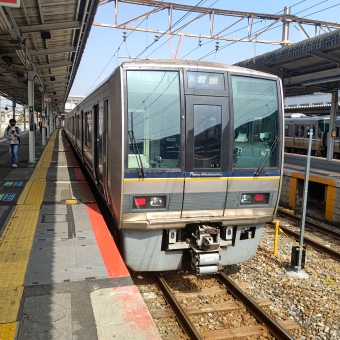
point(207, 136)
point(256, 119)
point(154, 118)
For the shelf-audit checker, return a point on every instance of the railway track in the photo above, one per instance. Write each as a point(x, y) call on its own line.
point(188, 314)
point(308, 241)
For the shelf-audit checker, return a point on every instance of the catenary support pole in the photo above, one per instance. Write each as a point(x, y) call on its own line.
point(24, 118)
point(285, 28)
point(13, 107)
point(304, 202)
point(48, 120)
point(31, 134)
point(43, 114)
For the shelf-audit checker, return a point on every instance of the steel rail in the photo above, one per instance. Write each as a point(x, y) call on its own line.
point(260, 315)
point(311, 225)
point(317, 246)
point(181, 315)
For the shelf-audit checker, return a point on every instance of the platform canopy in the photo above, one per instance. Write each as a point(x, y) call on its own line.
point(48, 38)
point(306, 67)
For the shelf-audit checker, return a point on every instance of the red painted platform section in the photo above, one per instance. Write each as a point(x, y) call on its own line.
point(113, 261)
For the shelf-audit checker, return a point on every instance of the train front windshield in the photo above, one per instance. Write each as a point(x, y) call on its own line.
point(255, 106)
point(154, 121)
point(154, 118)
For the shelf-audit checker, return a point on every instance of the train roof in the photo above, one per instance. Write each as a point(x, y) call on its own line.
point(204, 65)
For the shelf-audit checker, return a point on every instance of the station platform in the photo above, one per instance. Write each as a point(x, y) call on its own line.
point(61, 274)
point(324, 184)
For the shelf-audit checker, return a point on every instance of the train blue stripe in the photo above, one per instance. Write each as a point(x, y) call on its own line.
point(166, 174)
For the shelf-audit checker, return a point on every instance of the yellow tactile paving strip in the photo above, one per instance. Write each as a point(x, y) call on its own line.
point(16, 243)
point(7, 331)
point(24, 193)
point(36, 194)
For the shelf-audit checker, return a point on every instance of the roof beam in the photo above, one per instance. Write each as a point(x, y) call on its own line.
point(325, 56)
point(53, 65)
point(55, 74)
point(51, 27)
point(298, 80)
point(53, 50)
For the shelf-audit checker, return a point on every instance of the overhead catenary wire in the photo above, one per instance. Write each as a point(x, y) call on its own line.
point(173, 35)
point(177, 22)
point(275, 27)
point(239, 29)
point(117, 50)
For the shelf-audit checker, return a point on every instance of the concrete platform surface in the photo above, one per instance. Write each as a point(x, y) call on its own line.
point(62, 276)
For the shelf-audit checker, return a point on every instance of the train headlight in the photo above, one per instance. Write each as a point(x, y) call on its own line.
point(149, 202)
point(245, 199)
point(156, 201)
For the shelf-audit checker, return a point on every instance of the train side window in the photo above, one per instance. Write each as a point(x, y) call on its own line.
point(286, 130)
point(302, 131)
point(296, 134)
point(79, 127)
point(88, 128)
point(154, 119)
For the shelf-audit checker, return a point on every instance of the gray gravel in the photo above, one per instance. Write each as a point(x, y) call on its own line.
point(314, 302)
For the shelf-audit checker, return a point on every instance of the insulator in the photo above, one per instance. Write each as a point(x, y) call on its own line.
point(207, 269)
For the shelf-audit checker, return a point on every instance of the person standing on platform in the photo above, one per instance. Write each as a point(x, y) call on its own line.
point(12, 134)
point(40, 125)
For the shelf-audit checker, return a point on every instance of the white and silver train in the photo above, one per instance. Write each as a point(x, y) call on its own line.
point(188, 155)
point(297, 137)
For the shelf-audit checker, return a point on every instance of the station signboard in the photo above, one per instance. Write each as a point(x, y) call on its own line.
point(10, 3)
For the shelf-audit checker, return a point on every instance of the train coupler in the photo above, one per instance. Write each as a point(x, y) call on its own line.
point(205, 253)
point(205, 263)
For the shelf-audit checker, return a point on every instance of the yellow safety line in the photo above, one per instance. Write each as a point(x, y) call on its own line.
point(16, 243)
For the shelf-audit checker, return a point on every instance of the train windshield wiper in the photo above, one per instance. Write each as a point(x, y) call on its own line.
point(140, 169)
point(265, 158)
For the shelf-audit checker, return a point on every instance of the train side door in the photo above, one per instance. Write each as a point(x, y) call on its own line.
point(206, 156)
point(298, 135)
point(97, 119)
point(82, 141)
point(101, 145)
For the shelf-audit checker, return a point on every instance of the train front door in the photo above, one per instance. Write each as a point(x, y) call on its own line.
point(207, 155)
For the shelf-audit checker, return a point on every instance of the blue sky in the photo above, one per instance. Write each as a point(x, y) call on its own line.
point(100, 57)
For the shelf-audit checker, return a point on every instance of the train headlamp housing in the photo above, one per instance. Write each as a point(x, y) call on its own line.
point(149, 202)
point(156, 201)
point(255, 198)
